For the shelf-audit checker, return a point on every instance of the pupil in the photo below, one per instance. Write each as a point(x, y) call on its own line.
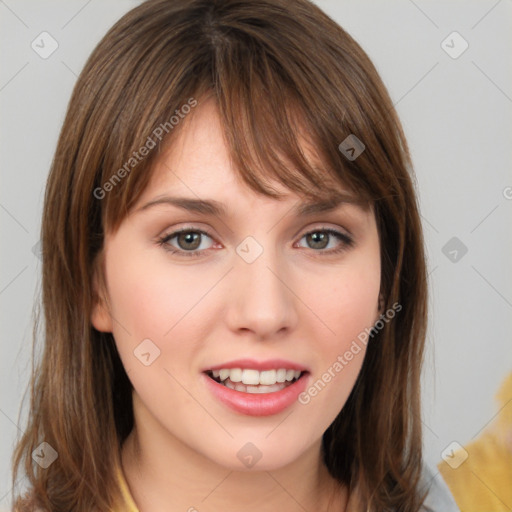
point(189, 238)
point(318, 239)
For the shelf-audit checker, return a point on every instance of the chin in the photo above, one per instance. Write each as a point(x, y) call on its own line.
point(259, 453)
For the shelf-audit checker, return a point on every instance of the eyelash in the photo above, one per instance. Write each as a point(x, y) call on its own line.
point(346, 240)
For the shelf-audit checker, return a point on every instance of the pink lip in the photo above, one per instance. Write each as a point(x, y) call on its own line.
point(269, 364)
point(257, 404)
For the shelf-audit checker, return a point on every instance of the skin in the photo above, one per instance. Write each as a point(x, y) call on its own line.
point(295, 301)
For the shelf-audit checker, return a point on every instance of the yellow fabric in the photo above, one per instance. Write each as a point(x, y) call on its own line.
point(483, 482)
point(129, 504)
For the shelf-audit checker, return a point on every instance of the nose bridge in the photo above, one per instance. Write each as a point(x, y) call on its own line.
point(261, 301)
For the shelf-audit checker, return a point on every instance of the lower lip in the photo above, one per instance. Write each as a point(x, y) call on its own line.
point(257, 404)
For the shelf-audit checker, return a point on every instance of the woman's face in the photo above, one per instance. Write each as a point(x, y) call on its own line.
point(267, 289)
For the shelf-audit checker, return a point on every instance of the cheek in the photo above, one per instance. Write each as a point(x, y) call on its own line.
point(347, 305)
point(152, 301)
point(149, 296)
point(347, 301)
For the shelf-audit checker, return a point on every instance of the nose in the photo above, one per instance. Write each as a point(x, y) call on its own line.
point(262, 299)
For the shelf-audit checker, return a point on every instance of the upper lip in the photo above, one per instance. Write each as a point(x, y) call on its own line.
point(269, 364)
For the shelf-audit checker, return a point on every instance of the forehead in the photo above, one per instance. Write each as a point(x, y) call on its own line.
point(196, 164)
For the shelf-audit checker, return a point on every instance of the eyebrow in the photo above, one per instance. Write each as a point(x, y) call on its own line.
point(215, 208)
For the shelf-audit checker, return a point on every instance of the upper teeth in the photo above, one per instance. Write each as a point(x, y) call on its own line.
point(254, 377)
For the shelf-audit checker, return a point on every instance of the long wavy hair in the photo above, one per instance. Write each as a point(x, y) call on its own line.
point(281, 72)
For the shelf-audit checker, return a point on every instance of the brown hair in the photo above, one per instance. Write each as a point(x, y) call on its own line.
point(281, 72)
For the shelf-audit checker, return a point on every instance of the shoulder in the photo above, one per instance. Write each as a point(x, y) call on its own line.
point(439, 497)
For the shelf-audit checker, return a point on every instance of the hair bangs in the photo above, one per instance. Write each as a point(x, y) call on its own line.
point(276, 128)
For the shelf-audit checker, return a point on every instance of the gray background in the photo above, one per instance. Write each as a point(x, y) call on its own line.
point(456, 114)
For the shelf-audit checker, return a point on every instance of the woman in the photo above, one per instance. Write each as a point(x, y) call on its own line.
point(234, 281)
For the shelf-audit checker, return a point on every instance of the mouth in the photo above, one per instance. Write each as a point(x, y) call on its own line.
point(252, 381)
point(257, 388)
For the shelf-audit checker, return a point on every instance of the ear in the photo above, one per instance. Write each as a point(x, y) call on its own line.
point(380, 307)
point(100, 312)
point(380, 304)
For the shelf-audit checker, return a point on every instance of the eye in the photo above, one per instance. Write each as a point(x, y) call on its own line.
point(327, 238)
point(188, 242)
